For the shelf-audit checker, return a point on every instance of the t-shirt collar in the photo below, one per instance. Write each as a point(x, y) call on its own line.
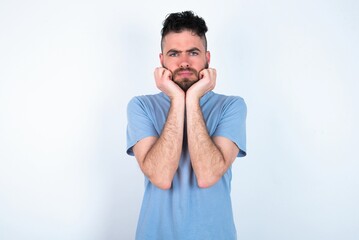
point(204, 98)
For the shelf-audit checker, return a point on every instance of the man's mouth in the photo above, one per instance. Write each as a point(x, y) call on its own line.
point(185, 73)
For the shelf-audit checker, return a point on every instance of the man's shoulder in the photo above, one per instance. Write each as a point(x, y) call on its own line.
point(157, 97)
point(149, 102)
point(149, 96)
point(219, 97)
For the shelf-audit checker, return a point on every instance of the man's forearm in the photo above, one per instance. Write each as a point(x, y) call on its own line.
point(207, 160)
point(161, 162)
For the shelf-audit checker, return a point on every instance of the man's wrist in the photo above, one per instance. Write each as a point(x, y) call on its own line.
point(178, 99)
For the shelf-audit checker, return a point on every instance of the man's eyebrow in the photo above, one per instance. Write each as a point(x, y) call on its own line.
point(173, 51)
point(178, 51)
point(193, 49)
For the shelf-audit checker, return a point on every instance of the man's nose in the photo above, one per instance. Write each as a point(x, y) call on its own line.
point(184, 62)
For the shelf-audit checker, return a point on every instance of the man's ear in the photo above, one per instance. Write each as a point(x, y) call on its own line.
point(161, 58)
point(208, 56)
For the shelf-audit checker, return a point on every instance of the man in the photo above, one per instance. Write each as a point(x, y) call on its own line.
point(185, 140)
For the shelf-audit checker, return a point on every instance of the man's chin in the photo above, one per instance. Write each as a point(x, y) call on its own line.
point(185, 84)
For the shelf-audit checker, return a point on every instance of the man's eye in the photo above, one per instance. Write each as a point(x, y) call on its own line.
point(194, 53)
point(174, 54)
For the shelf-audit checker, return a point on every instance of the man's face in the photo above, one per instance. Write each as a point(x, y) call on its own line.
point(184, 54)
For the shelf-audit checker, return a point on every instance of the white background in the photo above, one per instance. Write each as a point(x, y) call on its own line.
point(68, 69)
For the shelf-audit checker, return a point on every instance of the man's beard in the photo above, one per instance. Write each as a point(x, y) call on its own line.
point(186, 83)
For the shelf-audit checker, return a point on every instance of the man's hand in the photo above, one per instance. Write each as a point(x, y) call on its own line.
point(206, 83)
point(164, 83)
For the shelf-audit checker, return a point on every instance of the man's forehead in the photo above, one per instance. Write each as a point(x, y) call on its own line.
point(183, 40)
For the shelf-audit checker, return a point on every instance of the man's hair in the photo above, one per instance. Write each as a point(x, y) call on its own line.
point(180, 21)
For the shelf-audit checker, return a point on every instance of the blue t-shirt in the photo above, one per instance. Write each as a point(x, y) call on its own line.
point(185, 211)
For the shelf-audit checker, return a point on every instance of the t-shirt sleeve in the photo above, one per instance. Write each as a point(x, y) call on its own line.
point(232, 124)
point(139, 123)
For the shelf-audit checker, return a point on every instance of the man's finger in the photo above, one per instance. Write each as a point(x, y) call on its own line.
point(203, 73)
point(167, 74)
point(160, 72)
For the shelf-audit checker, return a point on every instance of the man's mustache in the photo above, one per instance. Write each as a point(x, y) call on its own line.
point(177, 71)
